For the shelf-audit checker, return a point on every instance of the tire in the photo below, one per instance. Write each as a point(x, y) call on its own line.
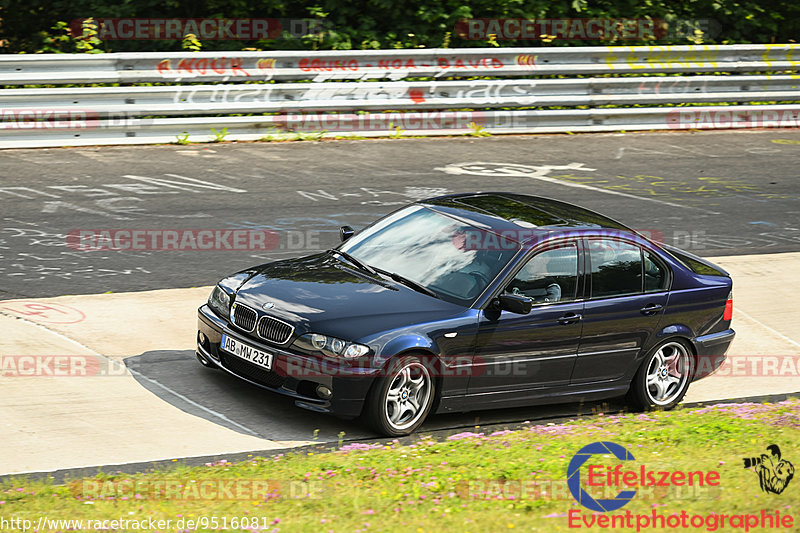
point(663, 378)
point(400, 400)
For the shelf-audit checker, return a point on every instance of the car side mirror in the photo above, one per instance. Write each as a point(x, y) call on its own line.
point(515, 303)
point(345, 232)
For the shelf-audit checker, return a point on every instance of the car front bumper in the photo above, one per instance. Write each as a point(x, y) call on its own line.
point(294, 375)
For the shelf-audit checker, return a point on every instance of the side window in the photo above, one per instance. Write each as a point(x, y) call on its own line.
point(549, 276)
point(655, 273)
point(616, 268)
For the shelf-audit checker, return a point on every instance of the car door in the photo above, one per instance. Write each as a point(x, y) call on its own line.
point(627, 288)
point(517, 355)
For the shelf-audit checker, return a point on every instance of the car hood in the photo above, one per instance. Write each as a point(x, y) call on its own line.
point(323, 294)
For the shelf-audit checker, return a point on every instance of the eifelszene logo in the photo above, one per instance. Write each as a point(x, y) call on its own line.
point(774, 472)
point(607, 477)
point(600, 476)
point(574, 477)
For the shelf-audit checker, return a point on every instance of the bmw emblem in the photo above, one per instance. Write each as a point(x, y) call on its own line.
point(268, 305)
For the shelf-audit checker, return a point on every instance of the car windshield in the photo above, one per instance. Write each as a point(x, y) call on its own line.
point(446, 255)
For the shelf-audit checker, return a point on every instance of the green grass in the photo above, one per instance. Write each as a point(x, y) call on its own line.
point(437, 485)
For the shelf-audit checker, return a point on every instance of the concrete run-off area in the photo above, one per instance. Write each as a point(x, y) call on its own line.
point(143, 397)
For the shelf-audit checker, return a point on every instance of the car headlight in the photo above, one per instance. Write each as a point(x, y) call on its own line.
point(355, 350)
point(220, 302)
point(330, 346)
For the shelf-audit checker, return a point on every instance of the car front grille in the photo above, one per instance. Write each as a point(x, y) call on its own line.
point(274, 330)
point(244, 317)
point(262, 376)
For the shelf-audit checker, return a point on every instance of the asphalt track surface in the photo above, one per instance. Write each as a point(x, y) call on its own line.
point(253, 411)
point(723, 193)
point(720, 193)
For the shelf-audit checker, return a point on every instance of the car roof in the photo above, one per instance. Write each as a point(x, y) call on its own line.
point(504, 212)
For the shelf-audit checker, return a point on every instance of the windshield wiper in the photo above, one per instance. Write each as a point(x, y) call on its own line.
point(353, 260)
point(407, 282)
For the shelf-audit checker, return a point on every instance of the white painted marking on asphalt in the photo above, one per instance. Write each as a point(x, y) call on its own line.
point(681, 149)
point(773, 330)
point(195, 404)
point(537, 172)
point(52, 207)
point(139, 374)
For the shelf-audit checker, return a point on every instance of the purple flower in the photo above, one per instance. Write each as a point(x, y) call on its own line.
point(464, 435)
point(358, 446)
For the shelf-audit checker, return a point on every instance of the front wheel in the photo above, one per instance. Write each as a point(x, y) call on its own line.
point(399, 401)
point(663, 379)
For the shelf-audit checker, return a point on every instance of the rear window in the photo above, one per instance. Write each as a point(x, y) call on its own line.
point(616, 268)
point(695, 264)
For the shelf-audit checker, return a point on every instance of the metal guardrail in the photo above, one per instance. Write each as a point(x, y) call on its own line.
point(422, 123)
point(391, 64)
point(338, 96)
point(256, 83)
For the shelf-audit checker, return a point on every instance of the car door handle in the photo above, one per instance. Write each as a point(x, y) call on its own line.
point(651, 309)
point(569, 318)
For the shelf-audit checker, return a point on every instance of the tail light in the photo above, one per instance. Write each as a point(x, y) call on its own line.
point(728, 314)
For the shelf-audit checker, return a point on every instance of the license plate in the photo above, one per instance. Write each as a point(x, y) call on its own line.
point(246, 352)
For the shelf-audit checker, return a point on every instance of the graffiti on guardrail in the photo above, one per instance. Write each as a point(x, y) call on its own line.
point(349, 67)
point(330, 65)
point(307, 64)
point(479, 92)
point(224, 66)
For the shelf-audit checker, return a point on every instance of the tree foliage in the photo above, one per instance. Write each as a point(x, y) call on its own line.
point(33, 25)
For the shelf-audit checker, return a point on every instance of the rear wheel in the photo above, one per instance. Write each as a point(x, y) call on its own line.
point(399, 401)
point(663, 379)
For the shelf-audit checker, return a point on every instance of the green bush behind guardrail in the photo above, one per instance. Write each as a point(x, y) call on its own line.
point(31, 26)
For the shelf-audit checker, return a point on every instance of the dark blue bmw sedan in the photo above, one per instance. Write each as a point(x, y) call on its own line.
point(473, 301)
